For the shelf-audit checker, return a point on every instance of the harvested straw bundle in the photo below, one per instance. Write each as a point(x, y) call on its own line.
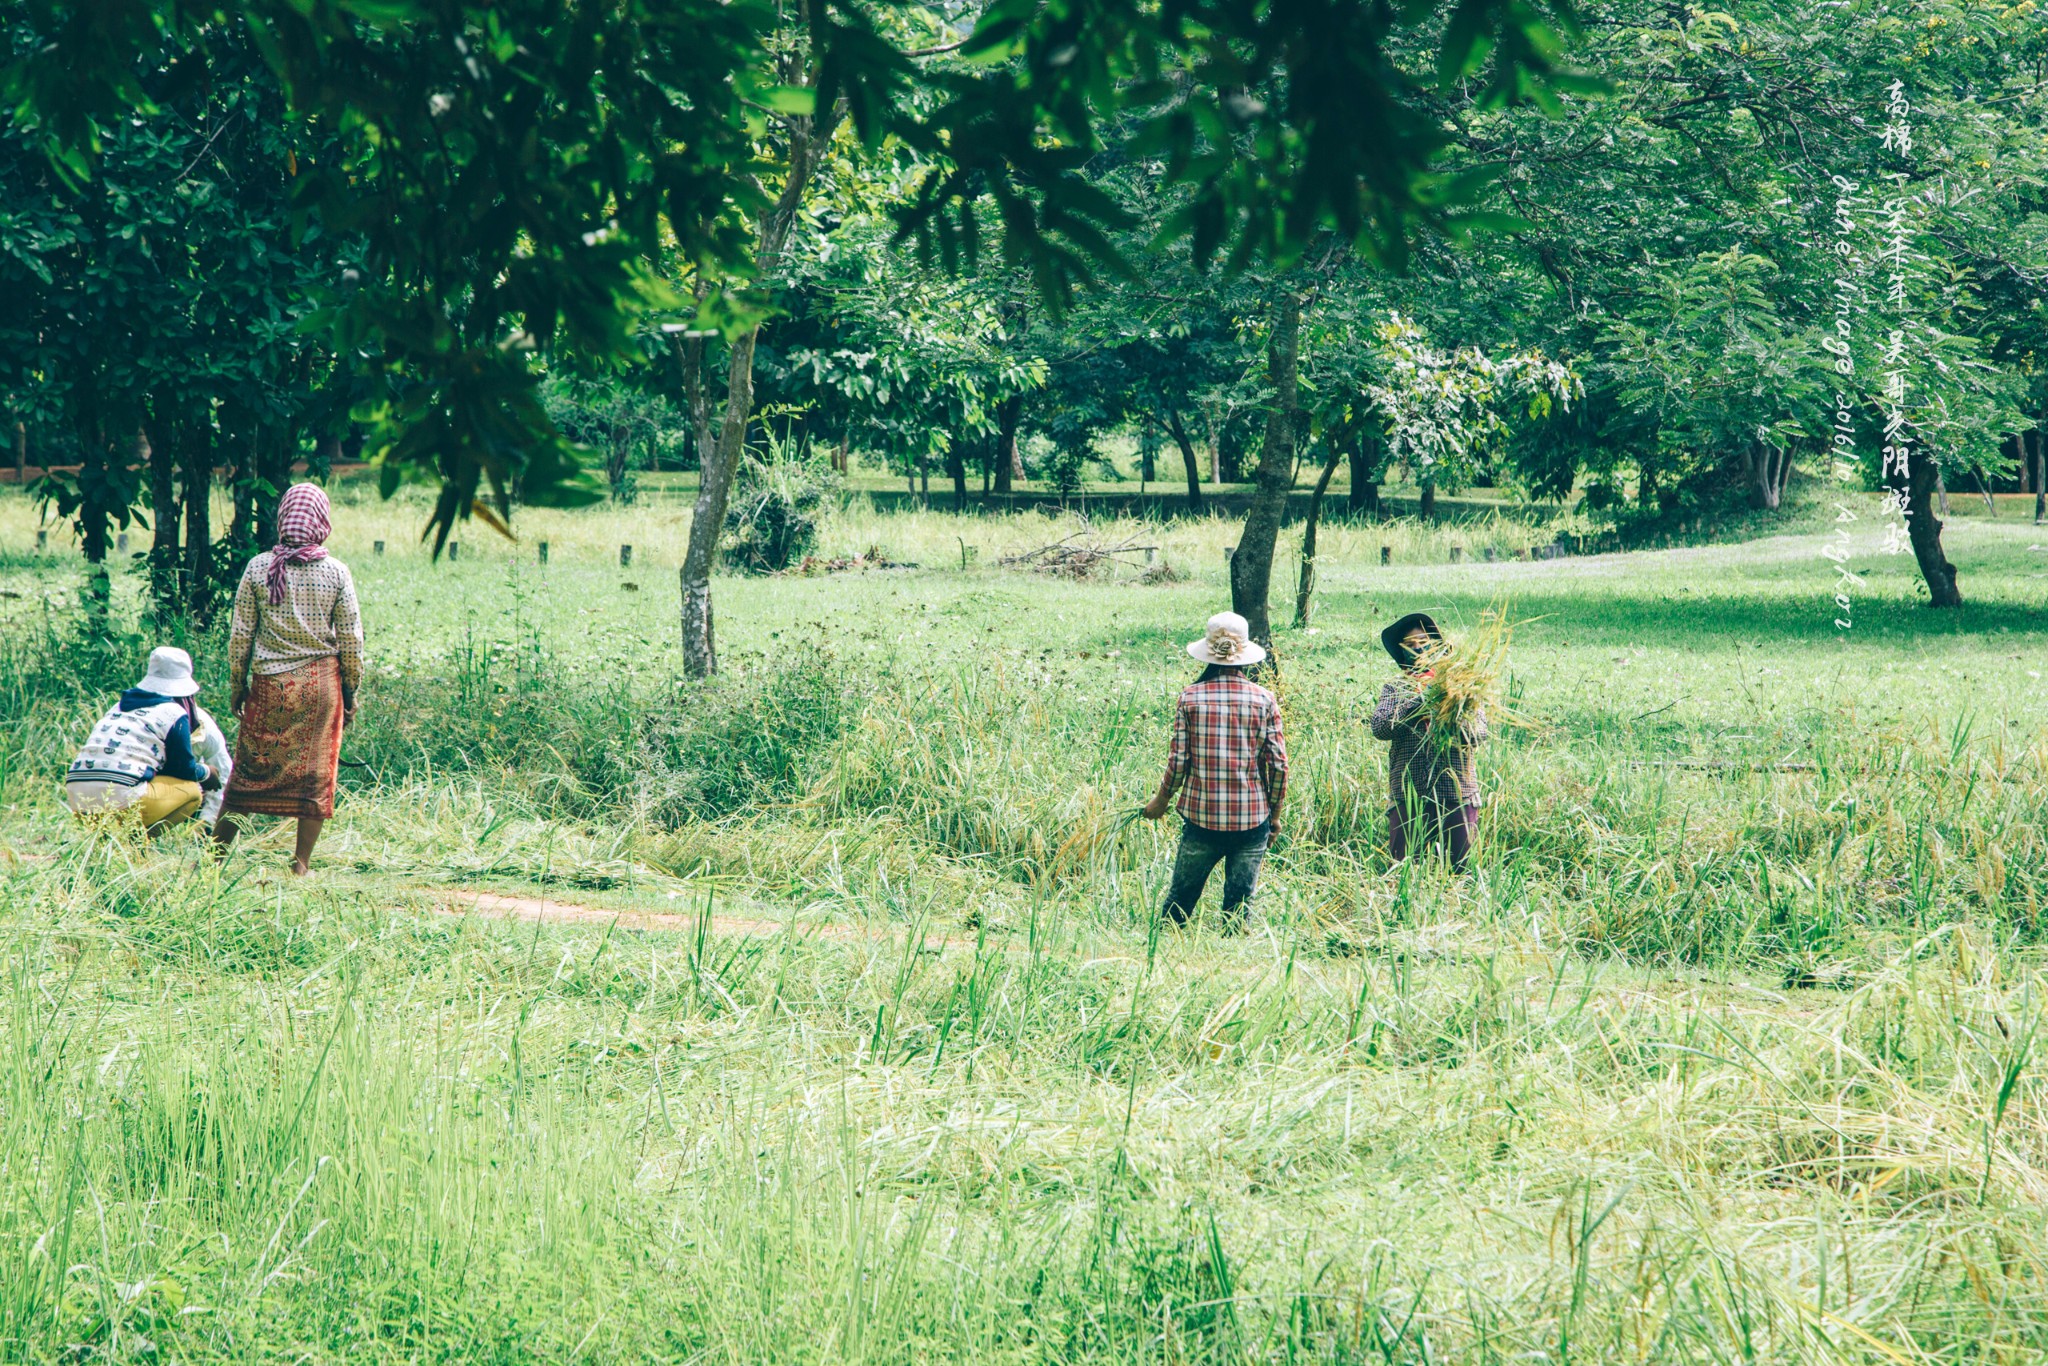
point(1457, 683)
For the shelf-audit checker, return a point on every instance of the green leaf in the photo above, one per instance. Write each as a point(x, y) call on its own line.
point(794, 100)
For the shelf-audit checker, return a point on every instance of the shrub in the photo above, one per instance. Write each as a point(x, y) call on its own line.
point(666, 750)
point(777, 502)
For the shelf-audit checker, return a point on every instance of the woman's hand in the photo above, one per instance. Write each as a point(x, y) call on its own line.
point(348, 713)
point(236, 701)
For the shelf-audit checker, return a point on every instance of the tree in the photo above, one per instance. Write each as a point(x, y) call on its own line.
point(1445, 413)
point(1722, 373)
point(615, 415)
point(505, 165)
point(159, 311)
point(1729, 125)
point(512, 166)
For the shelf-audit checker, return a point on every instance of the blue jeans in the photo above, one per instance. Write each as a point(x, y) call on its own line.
point(1201, 849)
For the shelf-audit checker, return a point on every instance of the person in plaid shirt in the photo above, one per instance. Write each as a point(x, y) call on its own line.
point(1228, 761)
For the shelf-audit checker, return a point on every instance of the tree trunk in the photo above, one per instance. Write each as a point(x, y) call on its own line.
point(95, 458)
point(20, 451)
point(1990, 503)
point(1426, 505)
point(1013, 450)
point(956, 465)
point(1365, 490)
point(2040, 478)
point(1187, 459)
point(707, 518)
point(1924, 528)
point(196, 462)
point(1251, 568)
point(106, 470)
point(690, 355)
point(808, 136)
point(618, 452)
point(1304, 595)
point(1148, 454)
point(270, 454)
point(166, 556)
point(242, 523)
point(327, 452)
point(1215, 444)
point(1760, 466)
point(1009, 465)
point(1230, 456)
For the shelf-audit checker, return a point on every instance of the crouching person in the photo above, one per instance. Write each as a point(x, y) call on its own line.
point(139, 758)
point(1228, 761)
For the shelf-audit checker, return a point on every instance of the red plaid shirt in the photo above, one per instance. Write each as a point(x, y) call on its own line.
point(1228, 759)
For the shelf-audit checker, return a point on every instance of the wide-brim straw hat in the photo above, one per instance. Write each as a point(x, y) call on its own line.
point(170, 673)
point(1228, 641)
point(1395, 637)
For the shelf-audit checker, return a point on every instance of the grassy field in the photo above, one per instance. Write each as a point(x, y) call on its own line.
point(1726, 1050)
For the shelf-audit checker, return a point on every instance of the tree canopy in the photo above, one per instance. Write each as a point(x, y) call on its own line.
point(938, 232)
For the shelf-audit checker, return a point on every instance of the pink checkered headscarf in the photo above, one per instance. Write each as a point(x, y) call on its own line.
point(301, 527)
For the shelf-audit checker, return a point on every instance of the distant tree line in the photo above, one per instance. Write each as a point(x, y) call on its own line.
point(504, 246)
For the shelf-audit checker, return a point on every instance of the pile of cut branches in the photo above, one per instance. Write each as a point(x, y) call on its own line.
point(1082, 555)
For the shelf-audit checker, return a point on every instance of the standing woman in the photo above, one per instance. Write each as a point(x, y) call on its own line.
point(295, 658)
point(1228, 761)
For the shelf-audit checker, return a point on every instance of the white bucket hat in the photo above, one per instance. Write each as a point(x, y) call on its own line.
point(1228, 641)
point(170, 673)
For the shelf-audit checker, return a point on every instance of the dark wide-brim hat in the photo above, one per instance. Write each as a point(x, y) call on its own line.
point(1395, 636)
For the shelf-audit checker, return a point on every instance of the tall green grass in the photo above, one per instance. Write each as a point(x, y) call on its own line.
point(1727, 1050)
point(383, 1139)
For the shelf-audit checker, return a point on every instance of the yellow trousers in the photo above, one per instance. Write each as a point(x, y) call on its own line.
point(160, 802)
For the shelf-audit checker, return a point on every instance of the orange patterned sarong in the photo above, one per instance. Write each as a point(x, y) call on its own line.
point(289, 745)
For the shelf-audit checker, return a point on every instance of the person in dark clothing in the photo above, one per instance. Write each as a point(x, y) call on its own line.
point(1432, 780)
point(1228, 760)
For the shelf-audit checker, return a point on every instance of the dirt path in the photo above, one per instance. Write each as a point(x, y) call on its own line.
point(493, 906)
point(548, 912)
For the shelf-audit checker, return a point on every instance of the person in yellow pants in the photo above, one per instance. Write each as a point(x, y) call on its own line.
point(160, 803)
point(138, 759)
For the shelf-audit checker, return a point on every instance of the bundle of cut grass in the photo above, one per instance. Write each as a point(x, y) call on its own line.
point(1460, 684)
